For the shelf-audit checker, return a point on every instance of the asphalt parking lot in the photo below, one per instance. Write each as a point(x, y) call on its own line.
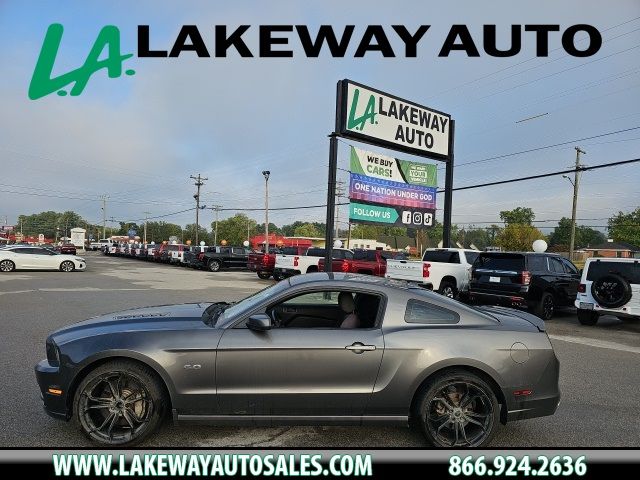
point(600, 366)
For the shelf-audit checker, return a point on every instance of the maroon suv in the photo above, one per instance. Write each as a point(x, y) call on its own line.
point(67, 249)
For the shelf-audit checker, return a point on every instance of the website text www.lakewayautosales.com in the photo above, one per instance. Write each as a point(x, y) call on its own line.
point(211, 465)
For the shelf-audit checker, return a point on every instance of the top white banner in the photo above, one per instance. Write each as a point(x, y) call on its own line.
point(392, 122)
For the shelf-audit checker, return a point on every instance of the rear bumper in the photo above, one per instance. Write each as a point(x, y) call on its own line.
point(535, 408)
point(286, 272)
point(49, 377)
point(515, 299)
point(256, 267)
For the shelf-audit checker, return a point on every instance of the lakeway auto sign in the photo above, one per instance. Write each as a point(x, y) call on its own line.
point(379, 118)
point(389, 191)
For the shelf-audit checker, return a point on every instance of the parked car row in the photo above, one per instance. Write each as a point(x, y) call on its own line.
point(202, 257)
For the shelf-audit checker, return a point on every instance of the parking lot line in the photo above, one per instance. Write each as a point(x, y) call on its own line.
point(592, 342)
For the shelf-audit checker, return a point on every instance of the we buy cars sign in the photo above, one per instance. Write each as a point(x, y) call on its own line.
point(382, 119)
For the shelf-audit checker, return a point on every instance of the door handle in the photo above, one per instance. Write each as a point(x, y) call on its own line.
point(359, 347)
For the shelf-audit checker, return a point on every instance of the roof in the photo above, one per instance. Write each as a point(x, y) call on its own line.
point(615, 246)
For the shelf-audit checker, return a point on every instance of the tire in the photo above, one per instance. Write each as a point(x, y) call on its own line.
point(131, 422)
point(278, 277)
point(546, 307)
point(67, 266)
point(448, 289)
point(214, 266)
point(611, 291)
point(457, 409)
point(587, 317)
point(7, 266)
point(264, 275)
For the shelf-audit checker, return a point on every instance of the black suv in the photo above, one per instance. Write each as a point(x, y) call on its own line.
point(218, 258)
point(538, 281)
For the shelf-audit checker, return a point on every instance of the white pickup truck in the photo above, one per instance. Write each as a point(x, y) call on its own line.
point(445, 270)
point(289, 265)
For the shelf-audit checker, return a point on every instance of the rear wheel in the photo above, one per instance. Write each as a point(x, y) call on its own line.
point(214, 266)
point(458, 409)
point(448, 289)
point(545, 308)
point(67, 266)
point(7, 266)
point(587, 317)
point(264, 275)
point(119, 403)
point(278, 276)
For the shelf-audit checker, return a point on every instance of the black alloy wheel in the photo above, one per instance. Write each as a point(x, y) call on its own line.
point(214, 266)
point(7, 266)
point(546, 307)
point(458, 409)
point(118, 403)
point(264, 275)
point(67, 266)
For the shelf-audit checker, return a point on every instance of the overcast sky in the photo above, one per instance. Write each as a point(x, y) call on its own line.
point(138, 138)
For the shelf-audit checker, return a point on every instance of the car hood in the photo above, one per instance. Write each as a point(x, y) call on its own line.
point(164, 317)
point(512, 318)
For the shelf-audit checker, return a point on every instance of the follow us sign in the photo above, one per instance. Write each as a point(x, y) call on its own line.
point(392, 216)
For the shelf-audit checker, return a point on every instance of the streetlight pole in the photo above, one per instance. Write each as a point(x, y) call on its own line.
point(576, 180)
point(146, 218)
point(266, 174)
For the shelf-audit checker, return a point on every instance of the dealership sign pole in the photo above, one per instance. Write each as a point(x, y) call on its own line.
point(367, 115)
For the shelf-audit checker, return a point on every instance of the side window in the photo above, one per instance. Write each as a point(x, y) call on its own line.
point(537, 263)
point(569, 267)
point(225, 250)
point(422, 312)
point(556, 265)
point(238, 251)
point(314, 298)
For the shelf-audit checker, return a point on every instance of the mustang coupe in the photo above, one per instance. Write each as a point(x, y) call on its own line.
point(320, 348)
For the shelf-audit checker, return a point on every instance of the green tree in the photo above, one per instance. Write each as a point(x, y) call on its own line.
point(307, 230)
point(50, 223)
point(126, 226)
point(273, 228)
point(625, 227)
point(289, 230)
point(518, 237)
point(234, 229)
point(363, 230)
point(519, 216)
point(479, 237)
point(203, 234)
point(585, 236)
point(160, 231)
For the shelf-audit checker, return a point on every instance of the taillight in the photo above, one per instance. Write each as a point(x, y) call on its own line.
point(582, 288)
point(525, 278)
point(425, 270)
point(295, 261)
point(265, 259)
point(345, 266)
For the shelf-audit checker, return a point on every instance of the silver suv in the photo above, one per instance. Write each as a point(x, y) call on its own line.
point(609, 286)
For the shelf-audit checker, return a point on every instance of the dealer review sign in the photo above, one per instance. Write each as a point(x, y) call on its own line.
point(376, 117)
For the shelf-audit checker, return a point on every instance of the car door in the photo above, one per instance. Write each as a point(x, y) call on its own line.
point(21, 257)
point(573, 279)
point(47, 259)
point(238, 257)
point(562, 280)
point(298, 371)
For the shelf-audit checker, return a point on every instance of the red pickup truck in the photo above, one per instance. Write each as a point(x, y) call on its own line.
point(263, 263)
point(366, 262)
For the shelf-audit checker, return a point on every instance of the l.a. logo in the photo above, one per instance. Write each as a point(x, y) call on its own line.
point(368, 115)
point(41, 82)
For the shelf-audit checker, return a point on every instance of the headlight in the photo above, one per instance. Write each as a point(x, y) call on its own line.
point(53, 353)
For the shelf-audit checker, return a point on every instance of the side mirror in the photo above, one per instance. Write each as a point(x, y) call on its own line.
point(259, 323)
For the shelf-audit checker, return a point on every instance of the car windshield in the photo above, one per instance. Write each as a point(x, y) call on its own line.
point(249, 303)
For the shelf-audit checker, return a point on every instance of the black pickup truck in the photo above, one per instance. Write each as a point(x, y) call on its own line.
point(219, 258)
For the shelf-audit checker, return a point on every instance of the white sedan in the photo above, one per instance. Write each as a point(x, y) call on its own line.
point(26, 257)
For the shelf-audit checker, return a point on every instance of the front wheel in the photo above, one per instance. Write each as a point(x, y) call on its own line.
point(214, 266)
point(7, 266)
point(264, 275)
point(67, 266)
point(458, 409)
point(119, 403)
point(587, 317)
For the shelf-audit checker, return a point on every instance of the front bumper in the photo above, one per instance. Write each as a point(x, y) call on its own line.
point(81, 265)
point(49, 377)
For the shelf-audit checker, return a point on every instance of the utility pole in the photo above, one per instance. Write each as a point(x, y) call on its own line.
point(104, 216)
point(215, 230)
point(266, 174)
point(146, 218)
point(339, 194)
point(199, 182)
point(576, 180)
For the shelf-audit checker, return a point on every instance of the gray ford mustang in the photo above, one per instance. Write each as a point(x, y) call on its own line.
point(320, 348)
